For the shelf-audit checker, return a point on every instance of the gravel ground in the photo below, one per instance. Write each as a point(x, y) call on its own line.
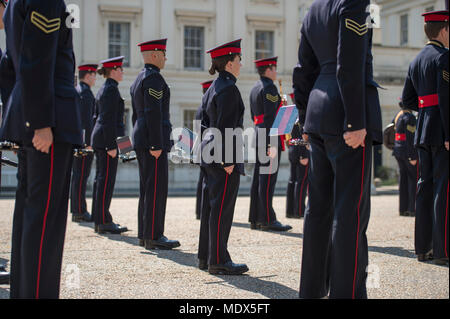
point(114, 266)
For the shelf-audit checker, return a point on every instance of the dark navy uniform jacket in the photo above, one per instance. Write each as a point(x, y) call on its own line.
point(405, 130)
point(110, 121)
point(223, 108)
point(421, 94)
point(151, 111)
point(297, 152)
point(333, 82)
point(87, 111)
point(7, 80)
point(264, 103)
point(40, 46)
point(443, 91)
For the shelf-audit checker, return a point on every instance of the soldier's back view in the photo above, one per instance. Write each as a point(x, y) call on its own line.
point(43, 117)
point(339, 107)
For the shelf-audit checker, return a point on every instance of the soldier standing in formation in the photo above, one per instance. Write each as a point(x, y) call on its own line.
point(108, 127)
point(339, 107)
point(223, 110)
point(151, 135)
point(82, 165)
point(202, 190)
point(406, 155)
point(425, 92)
point(298, 180)
point(265, 102)
point(43, 117)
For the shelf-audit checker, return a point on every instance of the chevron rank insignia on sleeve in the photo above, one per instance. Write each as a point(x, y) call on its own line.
point(411, 128)
point(156, 94)
point(45, 25)
point(445, 75)
point(359, 29)
point(272, 98)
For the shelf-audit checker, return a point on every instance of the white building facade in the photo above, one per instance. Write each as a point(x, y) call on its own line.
point(110, 28)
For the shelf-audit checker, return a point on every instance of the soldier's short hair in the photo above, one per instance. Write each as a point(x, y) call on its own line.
point(82, 74)
point(106, 72)
point(262, 69)
point(432, 29)
point(218, 64)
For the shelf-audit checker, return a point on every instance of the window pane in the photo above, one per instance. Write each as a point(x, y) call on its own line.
point(404, 29)
point(264, 44)
point(193, 47)
point(119, 41)
point(188, 119)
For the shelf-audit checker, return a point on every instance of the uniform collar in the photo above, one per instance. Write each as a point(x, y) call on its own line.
point(264, 78)
point(152, 66)
point(436, 43)
point(112, 82)
point(228, 76)
point(84, 84)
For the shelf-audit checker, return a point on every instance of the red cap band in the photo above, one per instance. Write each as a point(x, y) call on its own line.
point(87, 68)
point(436, 18)
point(225, 51)
point(264, 63)
point(112, 64)
point(153, 47)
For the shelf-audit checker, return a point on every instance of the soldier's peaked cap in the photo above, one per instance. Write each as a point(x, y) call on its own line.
point(436, 16)
point(113, 62)
point(88, 67)
point(269, 61)
point(226, 49)
point(155, 45)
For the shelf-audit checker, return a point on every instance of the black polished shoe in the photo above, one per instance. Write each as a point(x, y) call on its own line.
point(228, 268)
point(425, 257)
point(141, 242)
point(202, 264)
point(111, 228)
point(404, 214)
point(276, 226)
point(441, 261)
point(82, 218)
point(255, 226)
point(162, 243)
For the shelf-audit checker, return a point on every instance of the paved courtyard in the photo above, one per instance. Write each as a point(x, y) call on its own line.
point(115, 266)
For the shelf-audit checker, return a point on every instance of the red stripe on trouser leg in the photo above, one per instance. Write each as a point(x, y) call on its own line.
point(79, 191)
point(220, 215)
point(104, 189)
point(357, 233)
point(301, 192)
point(45, 221)
point(267, 193)
point(154, 200)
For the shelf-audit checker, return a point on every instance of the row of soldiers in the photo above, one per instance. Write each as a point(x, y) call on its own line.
point(339, 112)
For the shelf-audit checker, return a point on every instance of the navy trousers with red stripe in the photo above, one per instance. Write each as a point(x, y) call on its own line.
point(407, 185)
point(200, 193)
point(40, 222)
point(81, 169)
point(154, 187)
point(104, 189)
point(262, 192)
point(297, 190)
point(431, 230)
point(205, 212)
point(216, 226)
point(335, 249)
point(21, 196)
